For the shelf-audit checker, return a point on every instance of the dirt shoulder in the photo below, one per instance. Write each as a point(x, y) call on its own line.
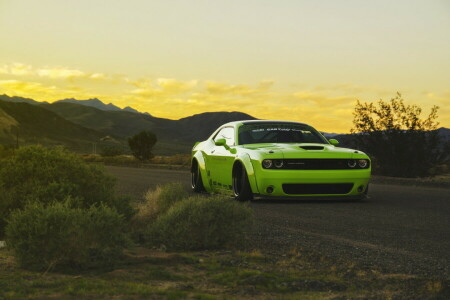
point(441, 181)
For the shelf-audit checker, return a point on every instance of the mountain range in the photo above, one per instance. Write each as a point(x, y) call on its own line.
point(82, 124)
point(47, 123)
point(94, 102)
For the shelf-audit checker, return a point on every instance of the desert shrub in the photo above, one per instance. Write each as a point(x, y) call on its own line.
point(201, 223)
point(127, 160)
point(169, 195)
point(156, 202)
point(141, 144)
point(110, 149)
point(6, 151)
point(48, 175)
point(61, 237)
point(394, 134)
point(159, 200)
point(177, 159)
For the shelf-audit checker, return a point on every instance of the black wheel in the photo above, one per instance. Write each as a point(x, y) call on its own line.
point(196, 178)
point(241, 186)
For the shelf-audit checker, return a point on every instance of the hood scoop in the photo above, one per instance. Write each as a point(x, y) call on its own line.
point(311, 147)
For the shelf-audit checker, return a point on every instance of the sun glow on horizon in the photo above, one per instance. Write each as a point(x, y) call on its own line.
point(307, 61)
point(328, 108)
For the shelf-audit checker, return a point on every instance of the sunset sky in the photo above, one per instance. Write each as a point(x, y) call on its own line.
point(297, 60)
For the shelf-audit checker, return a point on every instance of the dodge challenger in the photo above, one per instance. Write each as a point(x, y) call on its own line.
point(277, 159)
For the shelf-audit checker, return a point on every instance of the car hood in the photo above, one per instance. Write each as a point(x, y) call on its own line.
point(302, 150)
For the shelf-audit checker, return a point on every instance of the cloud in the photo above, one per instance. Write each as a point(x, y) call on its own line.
point(327, 107)
point(162, 87)
point(19, 69)
point(176, 86)
point(60, 73)
point(42, 92)
point(353, 89)
point(16, 69)
point(322, 99)
point(26, 88)
point(218, 88)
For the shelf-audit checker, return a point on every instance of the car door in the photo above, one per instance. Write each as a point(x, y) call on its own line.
point(221, 160)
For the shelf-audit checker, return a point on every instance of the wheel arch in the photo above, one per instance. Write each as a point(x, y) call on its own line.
point(198, 159)
point(245, 162)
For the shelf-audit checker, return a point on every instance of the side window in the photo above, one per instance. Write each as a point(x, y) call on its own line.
point(226, 133)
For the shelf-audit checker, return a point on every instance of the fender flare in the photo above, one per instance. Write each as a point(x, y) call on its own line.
point(199, 157)
point(245, 160)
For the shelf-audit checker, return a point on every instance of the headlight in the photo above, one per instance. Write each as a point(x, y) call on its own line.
point(362, 163)
point(351, 163)
point(267, 163)
point(278, 163)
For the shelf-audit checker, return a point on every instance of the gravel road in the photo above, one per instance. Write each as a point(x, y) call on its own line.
point(399, 229)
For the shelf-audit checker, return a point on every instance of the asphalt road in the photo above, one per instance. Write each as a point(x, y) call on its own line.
point(399, 229)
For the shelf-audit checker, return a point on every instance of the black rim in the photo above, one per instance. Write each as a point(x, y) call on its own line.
point(237, 184)
point(194, 178)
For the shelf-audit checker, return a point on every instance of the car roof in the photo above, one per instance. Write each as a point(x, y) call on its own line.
point(248, 122)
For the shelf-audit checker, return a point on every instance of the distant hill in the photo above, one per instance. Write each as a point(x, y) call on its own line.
point(120, 123)
point(37, 125)
point(347, 140)
point(19, 99)
point(96, 103)
point(125, 124)
point(78, 126)
point(199, 127)
point(444, 133)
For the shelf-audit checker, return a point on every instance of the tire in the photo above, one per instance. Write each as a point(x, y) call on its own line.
point(241, 186)
point(196, 178)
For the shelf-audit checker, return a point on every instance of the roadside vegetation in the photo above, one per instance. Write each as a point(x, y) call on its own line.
point(36, 174)
point(399, 141)
point(68, 235)
point(59, 213)
point(141, 145)
point(176, 161)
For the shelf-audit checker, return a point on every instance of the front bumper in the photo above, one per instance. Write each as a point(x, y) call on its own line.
point(269, 183)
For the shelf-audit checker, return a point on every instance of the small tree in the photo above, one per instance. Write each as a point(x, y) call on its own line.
point(400, 142)
point(141, 145)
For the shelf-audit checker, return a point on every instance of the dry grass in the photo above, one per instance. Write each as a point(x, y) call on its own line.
point(156, 202)
point(147, 211)
point(177, 159)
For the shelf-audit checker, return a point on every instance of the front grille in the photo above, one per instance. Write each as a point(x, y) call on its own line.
point(316, 164)
point(317, 188)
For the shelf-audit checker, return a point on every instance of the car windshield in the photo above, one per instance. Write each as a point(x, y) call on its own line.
point(279, 133)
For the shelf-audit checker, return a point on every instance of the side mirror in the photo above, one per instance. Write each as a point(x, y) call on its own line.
point(220, 142)
point(223, 142)
point(333, 142)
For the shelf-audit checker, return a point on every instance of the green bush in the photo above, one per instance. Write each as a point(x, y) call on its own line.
point(169, 195)
point(157, 202)
point(111, 149)
point(61, 237)
point(177, 159)
point(36, 173)
point(201, 223)
point(6, 151)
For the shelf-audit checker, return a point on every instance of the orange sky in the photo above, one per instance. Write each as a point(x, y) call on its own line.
point(305, 61)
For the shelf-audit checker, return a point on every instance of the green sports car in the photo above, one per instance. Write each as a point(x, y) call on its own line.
point(277, 159)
